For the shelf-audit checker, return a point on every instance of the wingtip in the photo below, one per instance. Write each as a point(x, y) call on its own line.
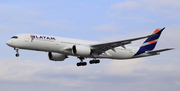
point(171, 48)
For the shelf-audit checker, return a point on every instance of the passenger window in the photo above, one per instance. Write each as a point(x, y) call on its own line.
point(14, 37)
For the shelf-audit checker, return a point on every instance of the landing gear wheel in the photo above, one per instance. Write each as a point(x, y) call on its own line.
point(91, 61)
point(81, 64)
point(94, 61)
point(78, 64)
point(17, 55)
point(84, 64)
point(17, 52)
point(98, 61)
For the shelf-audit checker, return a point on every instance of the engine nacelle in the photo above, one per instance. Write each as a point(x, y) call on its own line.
point(81, 50)
point(56, 56)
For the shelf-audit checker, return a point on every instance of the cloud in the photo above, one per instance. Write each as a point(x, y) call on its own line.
point(136, 73)
point(128, 5)
point(145, 11)
point(12, 28)
point(14, 19)
point(166, 4)
point(56, 25)
point(167, 8)
point(129, 10)
point(105, 27)
point(124, 67)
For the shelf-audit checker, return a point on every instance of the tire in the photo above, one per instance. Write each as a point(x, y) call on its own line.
point(17, 55)
point(78, 64)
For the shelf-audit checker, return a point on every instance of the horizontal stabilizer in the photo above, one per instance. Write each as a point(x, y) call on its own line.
point(162, 50)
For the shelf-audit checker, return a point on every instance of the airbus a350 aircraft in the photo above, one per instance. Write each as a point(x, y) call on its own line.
point(59, 48)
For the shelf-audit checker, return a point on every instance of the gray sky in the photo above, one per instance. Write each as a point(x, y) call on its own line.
point(102, 20)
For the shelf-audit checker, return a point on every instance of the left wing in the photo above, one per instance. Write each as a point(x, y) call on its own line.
point(102, 47)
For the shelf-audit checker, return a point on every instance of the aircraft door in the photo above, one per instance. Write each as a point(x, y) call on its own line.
point(57, 41)
point(27, 38)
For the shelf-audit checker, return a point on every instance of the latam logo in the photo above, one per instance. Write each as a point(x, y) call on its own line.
point(32, 37)
point(41, 37)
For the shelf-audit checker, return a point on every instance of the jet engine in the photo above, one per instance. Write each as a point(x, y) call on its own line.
point(56, 56)
point(81, 50)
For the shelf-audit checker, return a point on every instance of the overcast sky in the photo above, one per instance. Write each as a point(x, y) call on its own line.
point(95, 20)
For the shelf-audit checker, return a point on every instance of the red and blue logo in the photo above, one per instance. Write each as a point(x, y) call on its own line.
point(41, 38)
point(32, 37)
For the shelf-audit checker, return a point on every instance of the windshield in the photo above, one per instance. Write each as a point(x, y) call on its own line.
point(14, 37)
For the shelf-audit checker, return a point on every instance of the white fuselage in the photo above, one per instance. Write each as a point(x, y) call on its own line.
point(63, 45)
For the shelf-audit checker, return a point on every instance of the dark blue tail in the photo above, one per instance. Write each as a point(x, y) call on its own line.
point(151, 42)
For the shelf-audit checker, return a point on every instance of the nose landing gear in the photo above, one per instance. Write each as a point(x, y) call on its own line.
point(17, 52)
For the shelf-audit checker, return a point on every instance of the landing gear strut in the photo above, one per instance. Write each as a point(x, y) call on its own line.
point(17, 52)
point(81, 63)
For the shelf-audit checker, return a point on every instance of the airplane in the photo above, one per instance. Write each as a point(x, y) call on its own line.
point(59, 48)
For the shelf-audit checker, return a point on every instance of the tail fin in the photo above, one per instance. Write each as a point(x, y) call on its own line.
point(151, 42)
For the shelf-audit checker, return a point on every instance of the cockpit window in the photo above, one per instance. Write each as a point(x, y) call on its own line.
point(14, 37)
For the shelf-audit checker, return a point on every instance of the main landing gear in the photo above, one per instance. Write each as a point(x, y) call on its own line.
point(81, 63)
point(17, 52)
point(94, 61)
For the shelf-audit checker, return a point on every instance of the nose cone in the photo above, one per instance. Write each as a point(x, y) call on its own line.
point(9, 43)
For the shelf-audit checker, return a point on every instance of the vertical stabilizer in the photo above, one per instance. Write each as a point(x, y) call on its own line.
point(150, 42)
